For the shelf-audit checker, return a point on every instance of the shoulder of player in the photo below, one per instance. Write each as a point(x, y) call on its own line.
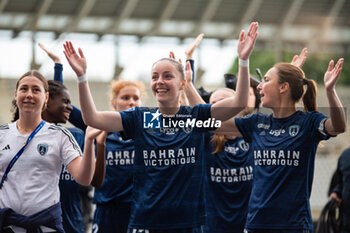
point(58, 129)
point(4, 127)
point(74, 130)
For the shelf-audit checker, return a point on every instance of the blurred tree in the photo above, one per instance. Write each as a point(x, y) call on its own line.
point(314, 67)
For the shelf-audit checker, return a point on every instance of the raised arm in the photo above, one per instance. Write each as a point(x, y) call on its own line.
point(191, 93)
point(106, 120)
point(75, 117)
point(55, 58)
point(336, 124)
point(100, 169)
point(299, 60)
point(82, 168)
point(190, 50)
point(229, 107)
point(58, 64)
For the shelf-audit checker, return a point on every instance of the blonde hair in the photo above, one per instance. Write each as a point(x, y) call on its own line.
point(220, 140)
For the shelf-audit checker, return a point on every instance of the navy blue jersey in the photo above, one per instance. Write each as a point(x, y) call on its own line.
point(284, 154)
point(69, 194)
point(229, 177)
point(117, 185)
point(168, 166)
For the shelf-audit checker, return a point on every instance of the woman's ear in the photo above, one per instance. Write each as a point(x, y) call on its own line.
point(284, 87)
point(183, 84)
point(47, 96)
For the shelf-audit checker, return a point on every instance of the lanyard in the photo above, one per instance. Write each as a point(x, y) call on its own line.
point(19, 153)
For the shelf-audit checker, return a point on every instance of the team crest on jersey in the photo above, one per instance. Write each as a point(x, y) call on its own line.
point(187, 129)
point(243, 145)
point(42, 149)
point(293, 130)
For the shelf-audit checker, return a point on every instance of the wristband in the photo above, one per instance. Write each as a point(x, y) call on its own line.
point(82, 79)
point(243, 63)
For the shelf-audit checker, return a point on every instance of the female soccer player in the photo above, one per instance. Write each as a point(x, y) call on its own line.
point(229, 176)
point(57, 111)
point(113, 196)
point(113, 174)
point(285, 144)
point(32, 161)
point(168, 177)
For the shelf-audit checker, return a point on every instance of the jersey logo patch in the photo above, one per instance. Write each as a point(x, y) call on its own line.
point(243, 145)
point(187, 129)
point(293, 130)
point(151, 120)
point(42, 149)
point(7, 147)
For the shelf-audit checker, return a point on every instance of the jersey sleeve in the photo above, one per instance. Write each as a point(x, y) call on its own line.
point(76, 119)
point(317, 123)
point(245, 126)
point(130, 120)
point(70, 149)
point(191, 61)
point(203, 112)
point(58, 72)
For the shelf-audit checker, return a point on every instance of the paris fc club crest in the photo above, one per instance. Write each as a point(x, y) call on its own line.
point(42, 149)
point(293, 130)
point(243, 145)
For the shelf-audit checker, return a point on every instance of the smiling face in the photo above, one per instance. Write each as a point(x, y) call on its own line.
point(167, 82)
point(128, 97)
point(59, 107)
point(269, 89)
point(30, 95)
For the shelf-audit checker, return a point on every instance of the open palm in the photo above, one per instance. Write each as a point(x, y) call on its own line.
point(246, 44)
point(190, 49)
point(332, 74)
point(75, 60)
point(299, 60)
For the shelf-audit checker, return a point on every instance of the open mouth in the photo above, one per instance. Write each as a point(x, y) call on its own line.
point(66, 114)
point(28, 103)
point(161, 90)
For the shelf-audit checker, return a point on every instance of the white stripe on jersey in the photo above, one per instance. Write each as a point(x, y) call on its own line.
point(322, 128)
point(4, 126)
point(69, 135)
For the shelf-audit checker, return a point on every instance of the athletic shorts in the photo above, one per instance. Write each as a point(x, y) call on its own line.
point(111, 218)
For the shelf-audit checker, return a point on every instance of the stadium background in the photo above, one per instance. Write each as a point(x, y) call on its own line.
point(285, 26)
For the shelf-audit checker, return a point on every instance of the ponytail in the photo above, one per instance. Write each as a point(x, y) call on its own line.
point(219, 142)
point(309, 98)
point(15, 111)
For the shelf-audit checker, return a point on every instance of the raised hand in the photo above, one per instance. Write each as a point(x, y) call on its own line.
point(246, 43)
point(300, 60)
point(332, 74)
point(75, 60)
point(188, 72)
point(190, 49)
point(54, 57)
point(172, 56)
